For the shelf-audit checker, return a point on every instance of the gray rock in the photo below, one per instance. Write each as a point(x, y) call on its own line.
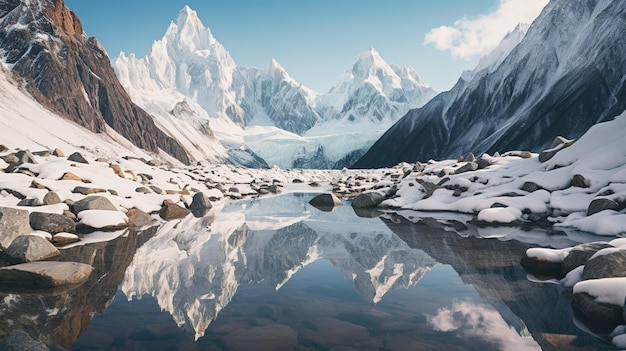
point(51, 198)
point(579, 255)
point(28, 202)
point(77, 157)
point(52, 223)
point(325, 202)
point(601, 204)
point(468, 167)
point(606, 266)
point(200, 203)
point(560, 140)
point(233, 189)
point(483, 163)
point(429, 188)
point(13, 223)
point(580, 181)
point(47, 274)
point(25, 156)
point(470, 158)
point(546, 155)
point(93, 203)
point(368, 199)
point(143, 190)
point(156, 189)
point(29, 248)
point(542, 266)
point(531, 187)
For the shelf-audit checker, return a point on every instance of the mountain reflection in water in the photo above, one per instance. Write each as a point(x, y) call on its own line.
point(278, 274)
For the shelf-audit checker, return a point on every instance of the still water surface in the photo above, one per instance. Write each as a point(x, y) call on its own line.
point(278, 274)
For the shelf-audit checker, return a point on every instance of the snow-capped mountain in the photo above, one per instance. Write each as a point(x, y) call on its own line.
point(563, 77)
point(300, 127)
point(43, 45)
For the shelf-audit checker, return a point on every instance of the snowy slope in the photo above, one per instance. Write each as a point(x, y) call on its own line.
point(563, 77)
point(25, 124)
point(305, 129)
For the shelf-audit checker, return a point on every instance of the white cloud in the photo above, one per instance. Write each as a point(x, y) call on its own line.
point(470, 37)
point(471, 320)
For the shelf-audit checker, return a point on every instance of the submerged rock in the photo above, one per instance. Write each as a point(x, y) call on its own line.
point(326, 202)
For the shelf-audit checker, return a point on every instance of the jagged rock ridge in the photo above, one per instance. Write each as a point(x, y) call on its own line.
point(541, 89)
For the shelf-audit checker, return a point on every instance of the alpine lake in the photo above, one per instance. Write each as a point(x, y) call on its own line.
point(275, 273)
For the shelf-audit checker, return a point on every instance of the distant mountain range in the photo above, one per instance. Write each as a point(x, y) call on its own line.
point(237, 104)
point(565, 75)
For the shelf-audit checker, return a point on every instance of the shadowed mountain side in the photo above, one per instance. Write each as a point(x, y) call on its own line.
point(492, 267)
point(541, 90)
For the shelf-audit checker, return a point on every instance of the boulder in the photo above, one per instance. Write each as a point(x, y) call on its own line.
point(531, 187)
point(47, 274)
point(601, 204)
point(93, 203)
point(51, 198)
point(429, 189)
point(610, 265)
point(200, 204)
point(368, 199)
point(517, 153)
point(470, 166)
point(29, 202)
point(325, 202)
point(484, 162)
point(580, 181)
point(29, 248)
point(51, 222)
point(170, 210)
point(138, 218)
point(77, 157)
point(103, 220)
point(579, 255)
point(13, 223)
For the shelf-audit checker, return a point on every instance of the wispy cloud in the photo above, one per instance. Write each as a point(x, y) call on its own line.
point(471, 320)
point(470, 37)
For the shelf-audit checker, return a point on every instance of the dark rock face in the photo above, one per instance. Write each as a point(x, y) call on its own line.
point(529, 98)
point(71, 74)
point(52, 223)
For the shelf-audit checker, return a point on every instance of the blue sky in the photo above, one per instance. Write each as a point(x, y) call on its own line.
point(318, 40)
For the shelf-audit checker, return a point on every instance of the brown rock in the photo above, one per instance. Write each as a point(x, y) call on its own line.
point(58, 153)
point(170, 211)
point(117, 170)
point(70, 176)
point(51, 198)
point(138, 218)
point(88, 191)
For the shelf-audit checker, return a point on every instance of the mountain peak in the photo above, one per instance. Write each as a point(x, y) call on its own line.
point(188, 16)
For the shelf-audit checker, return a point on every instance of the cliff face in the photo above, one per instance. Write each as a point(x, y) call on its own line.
point(43, 43)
